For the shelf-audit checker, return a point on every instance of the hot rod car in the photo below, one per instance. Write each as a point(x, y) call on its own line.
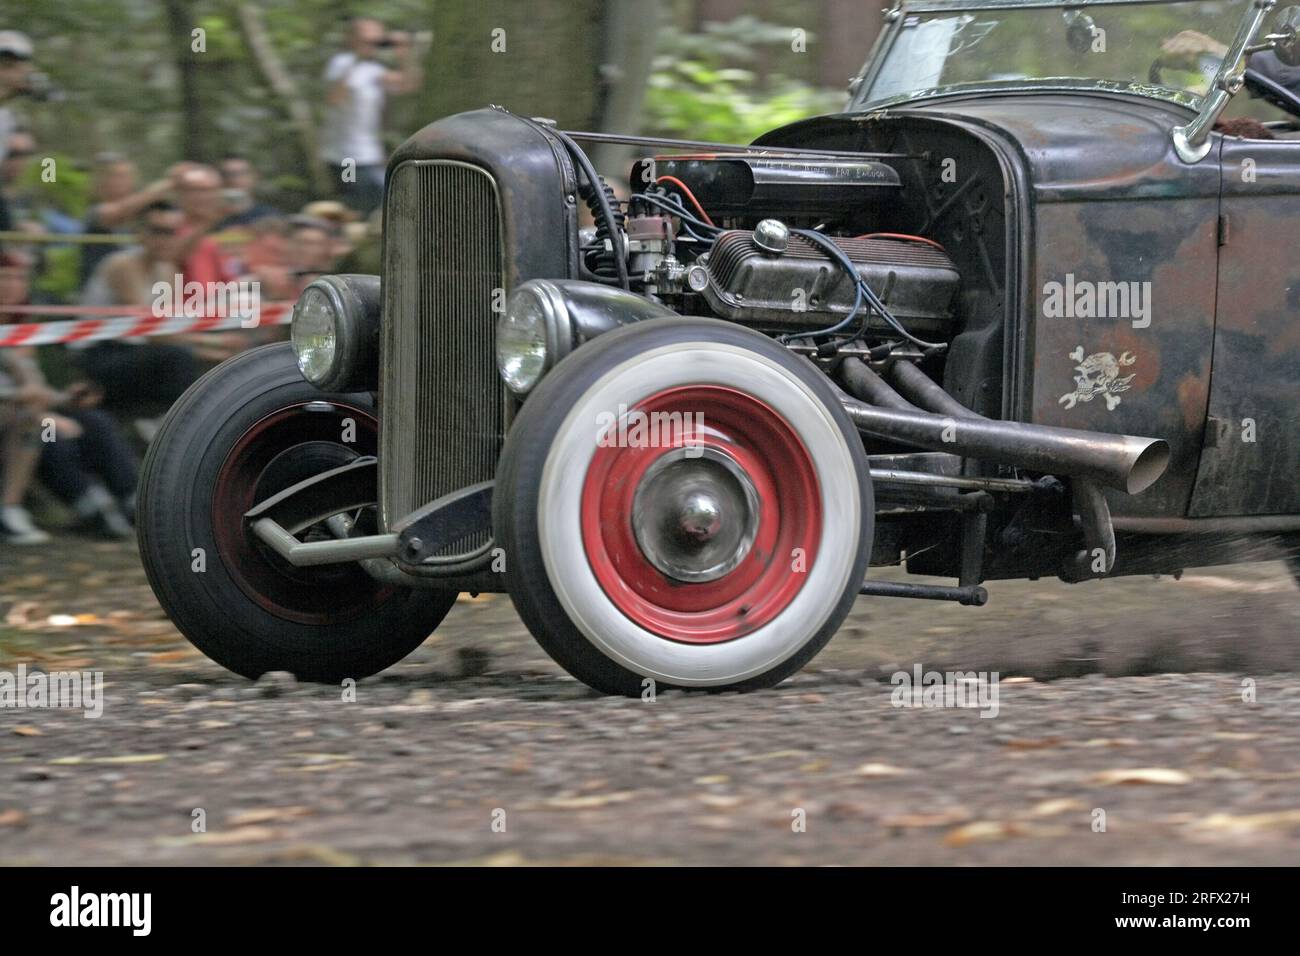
point(1020, 310)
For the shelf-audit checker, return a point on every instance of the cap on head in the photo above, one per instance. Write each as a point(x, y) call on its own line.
point(16, 44)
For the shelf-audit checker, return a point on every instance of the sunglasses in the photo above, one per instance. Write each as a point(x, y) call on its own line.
point(160, 231)
point(20, 153)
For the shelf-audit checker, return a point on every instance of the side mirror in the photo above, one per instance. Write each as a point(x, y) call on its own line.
point(1287, 31)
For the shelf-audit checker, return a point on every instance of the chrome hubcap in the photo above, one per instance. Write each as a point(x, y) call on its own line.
point(695, 514)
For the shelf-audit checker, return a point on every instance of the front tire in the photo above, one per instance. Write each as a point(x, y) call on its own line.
point(249, 428)
point(721, 555)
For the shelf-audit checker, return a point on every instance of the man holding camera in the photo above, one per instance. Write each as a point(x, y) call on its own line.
point(358, 83)
point(15, 79)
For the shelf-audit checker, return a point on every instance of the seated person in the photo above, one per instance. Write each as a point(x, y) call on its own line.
point(83, 458)
point(142, 375)
point(21, 407)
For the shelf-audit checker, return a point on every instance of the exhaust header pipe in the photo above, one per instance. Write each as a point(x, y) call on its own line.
point(1125, 462)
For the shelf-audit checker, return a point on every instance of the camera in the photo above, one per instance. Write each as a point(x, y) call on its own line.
point(42, 89)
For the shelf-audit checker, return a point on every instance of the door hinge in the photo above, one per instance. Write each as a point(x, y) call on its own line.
point(1224, 229)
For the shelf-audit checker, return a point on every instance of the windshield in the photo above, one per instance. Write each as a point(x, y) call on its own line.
point(1166, 50)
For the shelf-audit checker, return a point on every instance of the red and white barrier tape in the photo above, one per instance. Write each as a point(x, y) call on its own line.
point(120, 326)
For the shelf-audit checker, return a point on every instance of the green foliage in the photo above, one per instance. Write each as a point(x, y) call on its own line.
point(707, 85)
point(61, 277)
point(221, 38)
point(70, 190)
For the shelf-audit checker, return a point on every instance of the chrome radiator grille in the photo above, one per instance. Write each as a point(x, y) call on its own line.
point(441, 400)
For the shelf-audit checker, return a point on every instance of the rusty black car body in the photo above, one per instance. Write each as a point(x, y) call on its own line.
point(1001, 328)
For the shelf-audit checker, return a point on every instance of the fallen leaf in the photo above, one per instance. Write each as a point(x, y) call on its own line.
point(714, 822)
point(314, 853)
point(20, 614)
point(315, 757)
point(1027, 743)
point(25, 730)
point(223, 837)
point(715, 778)
point(267, 815)
point(773, 755)
point(1050, 808)
point(1109, 742)
point(719, 801)
point(983, 831)
point(125, 759)
point(1248, 823)
point(168, 657)
point(941, 818)
point(12, 818)
point(1156, 775)
point(323, 767)
point(588, 802)
point(879, 770)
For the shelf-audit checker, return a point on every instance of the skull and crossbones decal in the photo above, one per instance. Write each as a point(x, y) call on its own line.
point(1098, 374)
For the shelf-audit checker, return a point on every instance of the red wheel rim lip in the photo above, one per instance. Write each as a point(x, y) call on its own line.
point(246, 559)
point(766, 447)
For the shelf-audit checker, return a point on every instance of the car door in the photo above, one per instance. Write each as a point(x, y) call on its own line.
point(1250, 463)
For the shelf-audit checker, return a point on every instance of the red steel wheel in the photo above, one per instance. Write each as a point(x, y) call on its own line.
point(683, 501)
point(693, 453)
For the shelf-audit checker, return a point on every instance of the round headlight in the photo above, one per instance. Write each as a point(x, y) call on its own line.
point(523, 347)
point(315, 334)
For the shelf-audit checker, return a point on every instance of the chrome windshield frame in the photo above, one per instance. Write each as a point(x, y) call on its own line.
point(895, 15)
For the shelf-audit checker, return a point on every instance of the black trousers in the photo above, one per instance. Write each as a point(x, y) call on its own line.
point(68, 466)
point(140, 379)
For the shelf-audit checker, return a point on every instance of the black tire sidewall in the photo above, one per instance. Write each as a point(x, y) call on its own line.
point(175, 517)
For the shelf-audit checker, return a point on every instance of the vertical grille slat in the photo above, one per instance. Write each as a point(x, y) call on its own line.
point(441, 401)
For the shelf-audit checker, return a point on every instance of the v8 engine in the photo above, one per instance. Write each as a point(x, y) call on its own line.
point(774, 242)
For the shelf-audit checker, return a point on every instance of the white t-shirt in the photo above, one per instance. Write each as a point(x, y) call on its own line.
point(352, 129)
point(7, 126)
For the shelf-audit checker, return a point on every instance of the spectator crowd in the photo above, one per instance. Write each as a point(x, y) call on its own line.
point(69, 451)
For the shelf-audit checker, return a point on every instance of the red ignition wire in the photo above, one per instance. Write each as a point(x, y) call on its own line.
point(686, 191)
point(901, 235)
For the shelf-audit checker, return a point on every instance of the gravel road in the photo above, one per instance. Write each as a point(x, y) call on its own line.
point(1124, 704)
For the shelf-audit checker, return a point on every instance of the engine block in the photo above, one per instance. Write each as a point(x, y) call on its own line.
point(801, 288)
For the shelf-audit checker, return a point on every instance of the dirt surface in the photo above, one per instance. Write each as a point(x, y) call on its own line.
point(478, 749)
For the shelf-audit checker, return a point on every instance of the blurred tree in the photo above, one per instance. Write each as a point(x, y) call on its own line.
point(196, 131)
point(725, 84)
point(848, 30)
point(541, 59)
